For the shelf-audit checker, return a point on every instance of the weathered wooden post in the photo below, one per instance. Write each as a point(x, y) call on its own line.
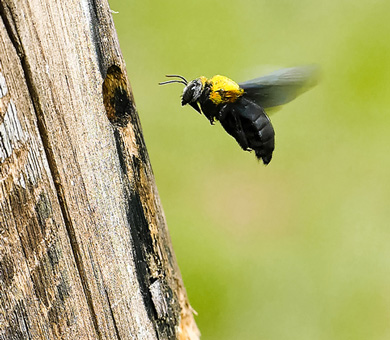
point(84, 248)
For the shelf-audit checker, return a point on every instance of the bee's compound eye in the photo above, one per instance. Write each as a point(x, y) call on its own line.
point(188, 94)
point(192, 92)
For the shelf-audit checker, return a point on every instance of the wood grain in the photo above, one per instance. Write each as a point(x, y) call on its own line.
point(84, 248)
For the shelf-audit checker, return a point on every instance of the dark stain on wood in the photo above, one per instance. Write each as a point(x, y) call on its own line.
point(144, 250)
point(43, 210)
point(33, 218)
point(63, 288)
point(121, 156)
point(53, 255)
point(57, 310)
point(39, 279)
point(7, 271)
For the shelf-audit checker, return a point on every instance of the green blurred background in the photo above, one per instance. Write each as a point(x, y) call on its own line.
point(299, 249)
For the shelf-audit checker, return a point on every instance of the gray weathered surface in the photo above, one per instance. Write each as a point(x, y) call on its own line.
point(84, 248)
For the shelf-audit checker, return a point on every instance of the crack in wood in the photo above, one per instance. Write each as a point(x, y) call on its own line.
point(112, 314)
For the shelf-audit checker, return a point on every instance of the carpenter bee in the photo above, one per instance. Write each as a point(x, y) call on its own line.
point(242, 108)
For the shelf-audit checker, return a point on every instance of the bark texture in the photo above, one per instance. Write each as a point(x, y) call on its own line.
point(84, 248)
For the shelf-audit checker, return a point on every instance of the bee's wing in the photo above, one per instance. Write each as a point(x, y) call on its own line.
point(280, 87)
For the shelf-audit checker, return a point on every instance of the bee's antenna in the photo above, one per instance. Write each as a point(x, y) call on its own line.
point(172, 81)
point(182, 81)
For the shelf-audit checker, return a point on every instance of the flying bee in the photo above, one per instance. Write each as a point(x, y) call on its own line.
point(242, 108)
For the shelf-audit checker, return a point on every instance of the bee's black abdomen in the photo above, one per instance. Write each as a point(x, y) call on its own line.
point(250, 126)
point(265, 152)
point(266, 135)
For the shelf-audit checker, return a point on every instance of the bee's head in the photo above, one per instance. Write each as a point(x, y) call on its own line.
point(192, 90)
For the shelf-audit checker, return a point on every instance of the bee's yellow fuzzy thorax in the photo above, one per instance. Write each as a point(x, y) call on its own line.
point(224, 90)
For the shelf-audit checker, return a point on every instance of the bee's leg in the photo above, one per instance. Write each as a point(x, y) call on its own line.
point(232, 124)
